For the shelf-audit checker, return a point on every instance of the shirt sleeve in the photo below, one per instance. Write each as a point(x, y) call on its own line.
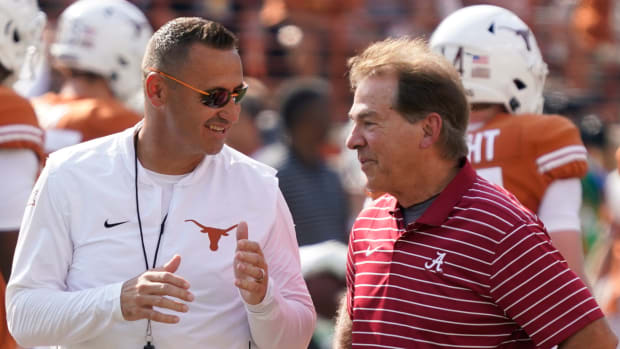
point(559, 150)
point(532, 283)
point(41, 310)
point(286, 316)
point(19, 171)
point(559, 207)
point(19, 128)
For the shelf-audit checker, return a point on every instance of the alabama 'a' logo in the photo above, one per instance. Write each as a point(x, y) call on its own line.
point(435, 264)
point(214, 233)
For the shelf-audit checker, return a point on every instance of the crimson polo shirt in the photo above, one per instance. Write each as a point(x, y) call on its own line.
point(476, 270)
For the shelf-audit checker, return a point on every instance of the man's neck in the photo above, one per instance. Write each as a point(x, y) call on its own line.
point(158, 157)
point(482, 115)
point(8, 81)
point(83, 88)
point(306, 156)
point(436, 178)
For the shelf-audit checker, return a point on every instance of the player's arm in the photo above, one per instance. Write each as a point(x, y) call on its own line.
point(569, 243)
point(596, 335)
point(562, 160)
point(344, 325)
point(19, 170)
point(8, 241)
point(559, 211)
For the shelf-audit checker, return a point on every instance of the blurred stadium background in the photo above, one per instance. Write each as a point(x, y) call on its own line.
point(285, 39)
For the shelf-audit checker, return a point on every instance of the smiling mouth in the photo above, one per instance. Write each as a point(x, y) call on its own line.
point(217, 129)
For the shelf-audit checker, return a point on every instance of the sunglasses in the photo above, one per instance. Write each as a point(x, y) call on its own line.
point(215, 98)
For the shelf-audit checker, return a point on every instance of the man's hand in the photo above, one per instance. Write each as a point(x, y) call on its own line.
point(141, 294)
point(251, 276)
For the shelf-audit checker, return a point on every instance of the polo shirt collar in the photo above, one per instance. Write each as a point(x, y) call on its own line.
point(439, 210)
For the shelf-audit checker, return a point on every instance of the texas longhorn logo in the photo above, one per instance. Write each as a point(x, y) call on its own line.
point(214, 233)
point(523, 33)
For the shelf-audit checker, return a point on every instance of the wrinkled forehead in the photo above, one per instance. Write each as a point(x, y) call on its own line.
point(375, 92)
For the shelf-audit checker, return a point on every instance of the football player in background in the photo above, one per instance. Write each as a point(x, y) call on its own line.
point(539, 158)
point(607, 282)
point(21, 139)
point(98, 49)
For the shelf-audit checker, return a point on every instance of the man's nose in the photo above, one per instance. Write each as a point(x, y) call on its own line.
point(354, 140)
point(230, 112)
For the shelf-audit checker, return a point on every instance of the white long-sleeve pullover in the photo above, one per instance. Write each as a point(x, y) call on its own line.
point(69, 267)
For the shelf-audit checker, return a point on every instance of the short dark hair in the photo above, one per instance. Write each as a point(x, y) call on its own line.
point(427, 83)
point(170, 44)
point(295, 96)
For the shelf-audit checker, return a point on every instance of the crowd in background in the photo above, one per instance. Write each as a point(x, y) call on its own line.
point(294, 117)
point(284, 39)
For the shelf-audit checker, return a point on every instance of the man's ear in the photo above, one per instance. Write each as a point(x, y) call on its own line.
point(431, 128)
point(155, 89)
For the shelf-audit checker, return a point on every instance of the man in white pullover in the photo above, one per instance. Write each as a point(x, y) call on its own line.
point(163, 222)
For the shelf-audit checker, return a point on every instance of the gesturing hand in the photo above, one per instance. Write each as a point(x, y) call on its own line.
point(251, 275)
point(141, 294)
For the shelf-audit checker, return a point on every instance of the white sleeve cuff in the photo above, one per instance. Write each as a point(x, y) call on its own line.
point(113, 293)
point(267, 305)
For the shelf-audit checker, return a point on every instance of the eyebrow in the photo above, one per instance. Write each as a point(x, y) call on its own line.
point(365, 114)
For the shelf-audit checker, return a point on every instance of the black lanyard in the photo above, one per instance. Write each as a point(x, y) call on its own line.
point(149, 336)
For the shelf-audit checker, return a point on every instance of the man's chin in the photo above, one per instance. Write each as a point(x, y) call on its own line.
point(374, 194)
point(374, 187)
point(214, 149)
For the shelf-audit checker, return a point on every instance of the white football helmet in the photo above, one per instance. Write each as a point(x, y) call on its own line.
point(497, 56)
point(21, 29)
point(107, 38)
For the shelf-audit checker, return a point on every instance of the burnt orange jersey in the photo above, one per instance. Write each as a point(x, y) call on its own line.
point(19, 128)
point(91, 117)
point(525, 153)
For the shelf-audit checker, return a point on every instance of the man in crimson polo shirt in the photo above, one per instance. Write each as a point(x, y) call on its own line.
point(445, 259)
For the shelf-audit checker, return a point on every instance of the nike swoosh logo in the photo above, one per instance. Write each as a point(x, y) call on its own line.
point(110, 225)
point(369, 251)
